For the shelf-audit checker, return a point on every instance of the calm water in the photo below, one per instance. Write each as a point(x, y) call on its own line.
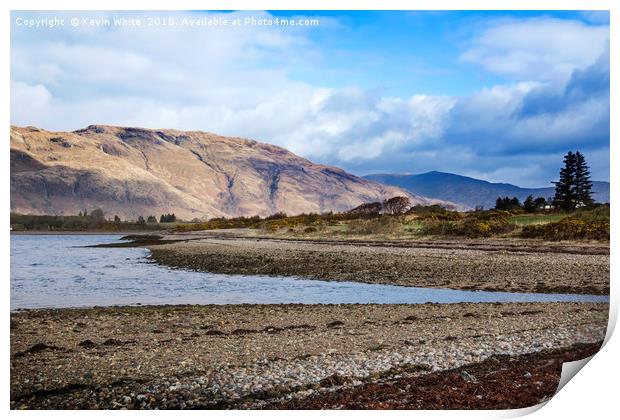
point(55, 271)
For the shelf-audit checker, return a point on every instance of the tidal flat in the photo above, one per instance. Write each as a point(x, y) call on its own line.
point(489, 265)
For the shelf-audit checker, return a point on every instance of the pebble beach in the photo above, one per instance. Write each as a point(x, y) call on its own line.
point(251, 356)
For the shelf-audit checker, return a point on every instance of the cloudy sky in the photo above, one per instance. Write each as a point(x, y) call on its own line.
point(495, 95)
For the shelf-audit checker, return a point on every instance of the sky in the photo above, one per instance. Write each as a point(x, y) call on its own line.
point(500, 96)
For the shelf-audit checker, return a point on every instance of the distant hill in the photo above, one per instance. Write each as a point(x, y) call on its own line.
point(133, 171)
point(471, 192)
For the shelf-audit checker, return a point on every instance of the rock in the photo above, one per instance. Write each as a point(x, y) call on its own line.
point(87, 344)
point(467, 377)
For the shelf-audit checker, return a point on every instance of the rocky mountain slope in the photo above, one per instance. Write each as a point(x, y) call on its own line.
point(472, 192)
point(133, 171)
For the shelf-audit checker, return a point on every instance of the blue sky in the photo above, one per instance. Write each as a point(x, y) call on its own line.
point(494, 95)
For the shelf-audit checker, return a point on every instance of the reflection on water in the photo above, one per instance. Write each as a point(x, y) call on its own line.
point(55, 271)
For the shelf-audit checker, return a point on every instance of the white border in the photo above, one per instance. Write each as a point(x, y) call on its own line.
point(591, 394)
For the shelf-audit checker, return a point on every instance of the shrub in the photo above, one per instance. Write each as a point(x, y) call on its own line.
point(600, 213)
point(438, 227)
point(382, 225)
point(476, 228)
point(434, 212)
point(373, 208)
point(276, 216)
point(569, 228)
point(475, 225)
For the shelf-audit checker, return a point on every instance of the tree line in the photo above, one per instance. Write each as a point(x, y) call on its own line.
point(530, 205)
point(84, 220)
point(572, 190)
point(164, 218)
point(99, 215)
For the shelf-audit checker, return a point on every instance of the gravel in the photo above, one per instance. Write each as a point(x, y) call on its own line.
point(490, 265)
point(169, 357)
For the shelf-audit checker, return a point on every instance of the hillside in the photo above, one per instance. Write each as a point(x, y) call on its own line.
point(471, 192)
point(134, 171)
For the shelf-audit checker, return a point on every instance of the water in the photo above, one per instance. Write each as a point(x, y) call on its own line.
point(54, 271)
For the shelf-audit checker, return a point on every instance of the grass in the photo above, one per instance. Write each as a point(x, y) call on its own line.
point(384, 225)
point(419, 221)
point(582, 224)
point(427, 221)
point(535, 219)
point(337, 228)
point(414, 226)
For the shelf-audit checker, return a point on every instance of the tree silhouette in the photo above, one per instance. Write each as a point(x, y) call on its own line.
point(540, 203)
point(167, 218)
point(565, 189)
point(583, 185)
point(507, 203)
point(396, 205)
point(529, 205)
point(532, 205)
point(574, 189)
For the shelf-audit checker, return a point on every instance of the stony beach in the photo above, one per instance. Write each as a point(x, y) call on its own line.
point(267, 356)
point(492, 265)
point(462, 355)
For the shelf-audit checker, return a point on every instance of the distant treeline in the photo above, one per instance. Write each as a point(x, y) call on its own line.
point(273, 222)
point(530, 205)
point(84, 220)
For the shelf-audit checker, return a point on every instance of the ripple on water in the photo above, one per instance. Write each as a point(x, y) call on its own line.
point(57, 271)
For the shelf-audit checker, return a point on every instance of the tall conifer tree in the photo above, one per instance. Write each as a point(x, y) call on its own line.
point(583, 184)
point(565, 189)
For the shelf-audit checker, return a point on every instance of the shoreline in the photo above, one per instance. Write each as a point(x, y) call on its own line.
point(497, 383)
point(274, 356)
point(450, 265)
point(245, 356)
point(596, 299)
point(84, 232)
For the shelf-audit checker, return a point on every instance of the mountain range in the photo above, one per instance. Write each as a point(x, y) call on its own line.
point(133, 172)
point(472, 192)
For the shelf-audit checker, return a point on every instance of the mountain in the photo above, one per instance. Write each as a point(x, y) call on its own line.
point(472, 192)
point(134, 171)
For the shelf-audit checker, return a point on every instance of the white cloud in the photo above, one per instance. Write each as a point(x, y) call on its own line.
point(544, 49)
point(237, 82)
point(27, 100)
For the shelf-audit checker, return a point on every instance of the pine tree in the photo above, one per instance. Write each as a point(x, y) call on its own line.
point(529, 205)
point(583, 184)
point(507, 203)
point(565, 189)
point(540, 203)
